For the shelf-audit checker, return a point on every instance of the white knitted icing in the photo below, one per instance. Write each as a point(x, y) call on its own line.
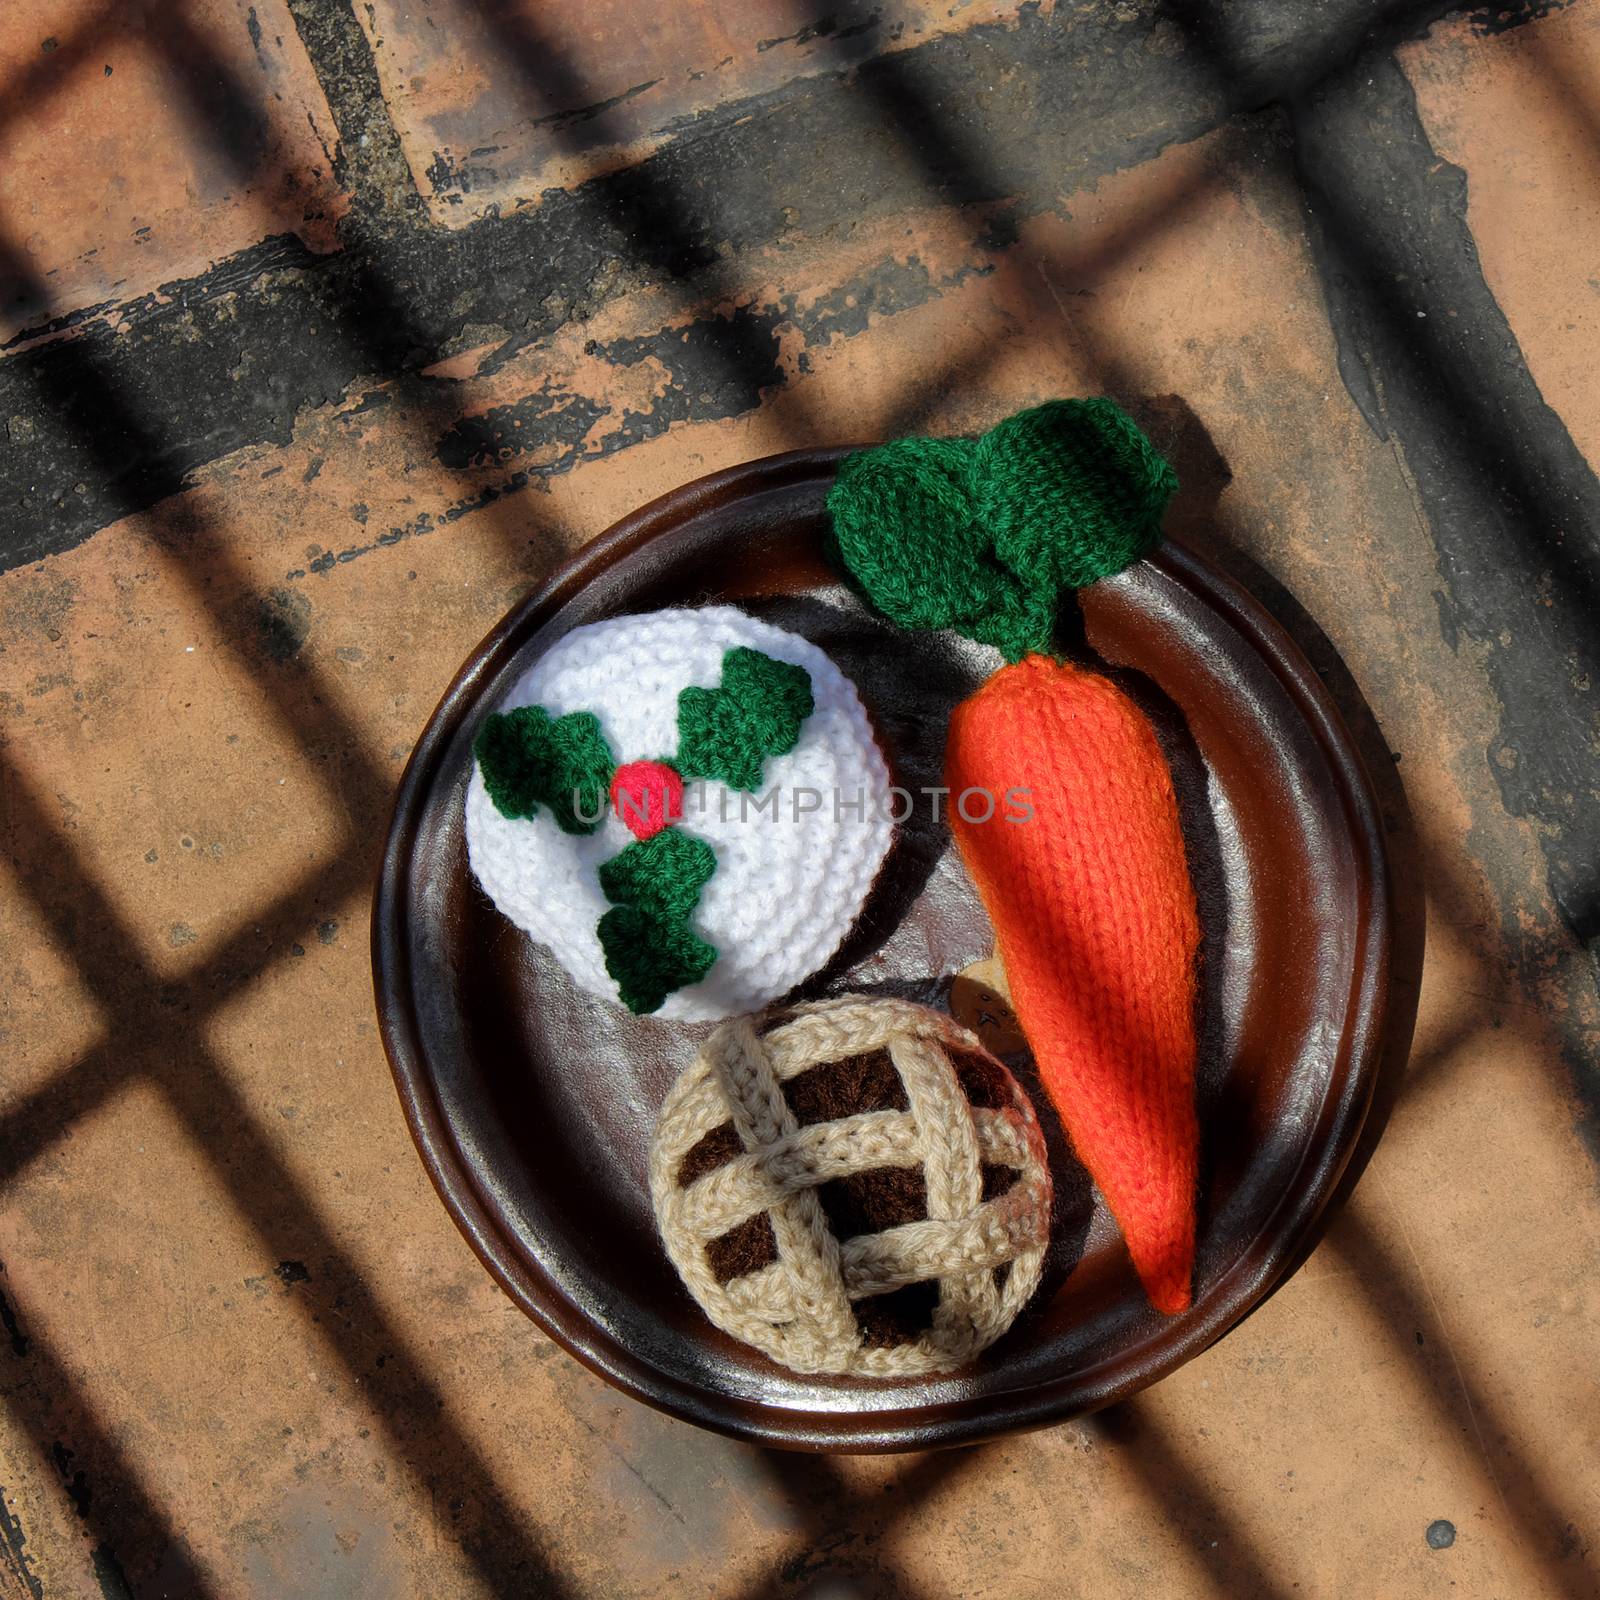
point(785, 891)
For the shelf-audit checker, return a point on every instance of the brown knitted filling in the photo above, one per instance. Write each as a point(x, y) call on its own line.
point(846, 1088)
point(982, 1081)
point(869, 1202)
point(713, 1150)
point(997, 1179)
point(897, 1317)
point(863, 1202)
point(747, 1248)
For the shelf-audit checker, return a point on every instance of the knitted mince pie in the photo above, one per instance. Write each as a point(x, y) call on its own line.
point(688, 808)
point(861, 1190)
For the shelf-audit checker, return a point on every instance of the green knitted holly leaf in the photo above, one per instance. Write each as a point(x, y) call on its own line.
point(654, 886)
point(982, 536)
point(529, 759)
point(1070, 492)
point(728, 733)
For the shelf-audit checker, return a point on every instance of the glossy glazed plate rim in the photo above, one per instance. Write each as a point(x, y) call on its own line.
point(1259, 1265)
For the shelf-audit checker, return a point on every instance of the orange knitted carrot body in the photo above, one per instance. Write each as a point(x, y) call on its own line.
point(1095, 919)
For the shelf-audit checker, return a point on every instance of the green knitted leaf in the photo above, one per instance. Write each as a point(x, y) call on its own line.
point(982, 536)
point(662, 875)
point(654, 886)
point(902, 526)
point(1071, 491)
point(1021, 621)
point(728, 732)
point(530, 759)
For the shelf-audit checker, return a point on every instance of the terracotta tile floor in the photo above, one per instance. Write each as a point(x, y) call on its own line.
point(308, 385)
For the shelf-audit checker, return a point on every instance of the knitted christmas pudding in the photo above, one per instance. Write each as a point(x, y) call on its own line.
point(861, 1190)
point(688, 808)
point(1093, 910)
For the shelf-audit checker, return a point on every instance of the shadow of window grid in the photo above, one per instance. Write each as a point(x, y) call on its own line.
point(148, 1034)
point(106, 1068)
point(950, 163)
point(138, 1004)
point(49, 1110)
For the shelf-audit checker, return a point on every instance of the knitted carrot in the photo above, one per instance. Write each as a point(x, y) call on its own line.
point(1090, 897)
point(1095, 921)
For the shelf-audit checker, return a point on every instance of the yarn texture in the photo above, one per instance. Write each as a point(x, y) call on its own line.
point(529, 760)
point(785, 888)
point(1096, 925)
point(765, 1172)
point(982, 535)
point(1070, 491)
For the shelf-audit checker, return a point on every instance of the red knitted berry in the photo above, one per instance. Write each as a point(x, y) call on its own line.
point(647, 795)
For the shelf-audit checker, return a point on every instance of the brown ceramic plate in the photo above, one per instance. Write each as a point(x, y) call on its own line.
point(532, 1105)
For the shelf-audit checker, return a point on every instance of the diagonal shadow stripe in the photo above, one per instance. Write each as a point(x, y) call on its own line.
point(185, 1087)
point(134, 997)
point(1530, 1501)
point(35, 84)
point(645, 212)
point(842, 1534)
point(127, 1521)
point(1178, 1493)
point(30, 1127)
point(165, 1050)
point(118, 431)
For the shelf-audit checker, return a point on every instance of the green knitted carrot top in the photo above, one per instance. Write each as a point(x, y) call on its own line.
point(981, 535)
